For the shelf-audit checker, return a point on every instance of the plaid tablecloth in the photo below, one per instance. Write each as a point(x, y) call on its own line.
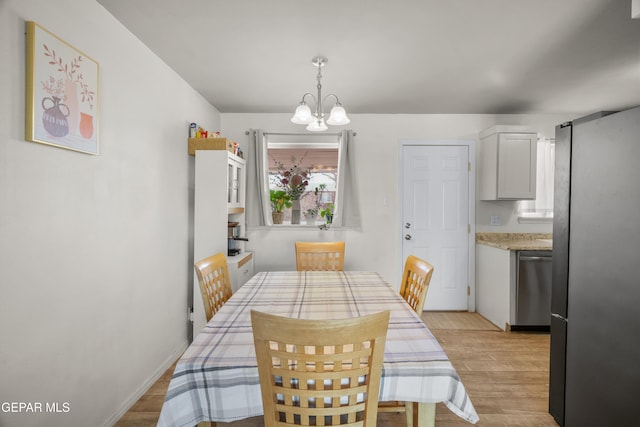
point(217, 377)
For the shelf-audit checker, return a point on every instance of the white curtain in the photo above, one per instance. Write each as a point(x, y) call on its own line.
point(262, 164)
point(542, 206)
point(345, 138)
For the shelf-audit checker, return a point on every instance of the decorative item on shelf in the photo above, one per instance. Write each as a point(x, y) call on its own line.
point(293, 180)
point(202, 133)
point(315, 121)
point(196, 131)
point(279, 201)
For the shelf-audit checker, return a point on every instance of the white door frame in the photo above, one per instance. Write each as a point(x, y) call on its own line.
point(471, 145)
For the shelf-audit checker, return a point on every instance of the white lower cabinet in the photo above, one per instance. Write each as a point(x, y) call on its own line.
point(495, 284)
point(240, 269)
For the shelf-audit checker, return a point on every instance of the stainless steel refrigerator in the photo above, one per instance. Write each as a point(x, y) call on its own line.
point(595, 304)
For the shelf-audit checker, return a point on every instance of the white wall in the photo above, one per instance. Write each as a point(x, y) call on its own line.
point(374, 244)
point(94, 250)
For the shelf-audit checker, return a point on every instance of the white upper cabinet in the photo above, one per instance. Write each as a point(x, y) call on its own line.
point(507, 167)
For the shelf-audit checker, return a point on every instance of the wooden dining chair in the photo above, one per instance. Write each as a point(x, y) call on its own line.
point(320, 372)
point(215, 284)
point(414, 286)
point(322, 256)
point(415, 282)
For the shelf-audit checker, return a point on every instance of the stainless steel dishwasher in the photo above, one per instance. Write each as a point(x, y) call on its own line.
point(533, 290)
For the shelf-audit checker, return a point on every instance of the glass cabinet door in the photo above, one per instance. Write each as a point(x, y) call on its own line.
point(231, 183)
point(235, 190)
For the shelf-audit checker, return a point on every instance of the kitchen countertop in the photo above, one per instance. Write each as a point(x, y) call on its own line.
point(516, 241)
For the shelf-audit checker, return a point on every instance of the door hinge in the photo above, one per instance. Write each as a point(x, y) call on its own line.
point(468, 290)
point(469, 166)
point(190, 314)
point(468, 228)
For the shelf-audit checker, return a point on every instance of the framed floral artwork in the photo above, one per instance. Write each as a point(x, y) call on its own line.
point(61, 93)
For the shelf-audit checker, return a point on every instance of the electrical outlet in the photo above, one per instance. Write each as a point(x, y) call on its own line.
point(496, 220)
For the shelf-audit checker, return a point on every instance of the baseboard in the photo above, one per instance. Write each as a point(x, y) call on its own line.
point(146, 386)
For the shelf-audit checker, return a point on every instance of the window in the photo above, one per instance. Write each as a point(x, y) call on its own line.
point(541, 209)
point(310, 170)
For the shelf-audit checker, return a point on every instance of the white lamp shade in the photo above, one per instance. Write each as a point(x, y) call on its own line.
point(317, 126)
point(338, 116)
point(303, 115)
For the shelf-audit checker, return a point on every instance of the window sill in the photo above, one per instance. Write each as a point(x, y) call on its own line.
point(296, 227)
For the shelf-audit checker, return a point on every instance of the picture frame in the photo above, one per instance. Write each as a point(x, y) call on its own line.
point(61, 93)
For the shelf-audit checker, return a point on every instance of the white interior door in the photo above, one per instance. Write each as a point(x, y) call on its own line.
point(435, 219)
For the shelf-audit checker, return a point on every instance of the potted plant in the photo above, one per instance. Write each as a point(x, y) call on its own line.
point(279, 201)
point(310, 215)
point(327, 213)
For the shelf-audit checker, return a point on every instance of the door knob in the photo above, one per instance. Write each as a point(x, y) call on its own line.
point(407, 237)
point(407, 225)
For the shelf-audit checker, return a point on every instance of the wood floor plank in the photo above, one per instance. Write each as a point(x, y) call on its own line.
point(505, 373)
point(457, 320)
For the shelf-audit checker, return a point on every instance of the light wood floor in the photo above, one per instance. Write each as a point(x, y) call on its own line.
point(505, 373)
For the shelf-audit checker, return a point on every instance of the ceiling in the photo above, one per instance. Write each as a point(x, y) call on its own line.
point(402, 56)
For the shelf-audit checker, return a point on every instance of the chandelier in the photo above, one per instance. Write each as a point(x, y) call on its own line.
point(315, 121)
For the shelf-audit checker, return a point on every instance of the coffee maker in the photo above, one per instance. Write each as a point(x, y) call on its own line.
point(233, 235)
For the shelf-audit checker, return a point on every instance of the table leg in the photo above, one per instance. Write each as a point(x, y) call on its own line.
point(408, 410)
point(426, 414)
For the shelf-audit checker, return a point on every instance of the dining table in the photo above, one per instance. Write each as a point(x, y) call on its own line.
point(216, 379)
